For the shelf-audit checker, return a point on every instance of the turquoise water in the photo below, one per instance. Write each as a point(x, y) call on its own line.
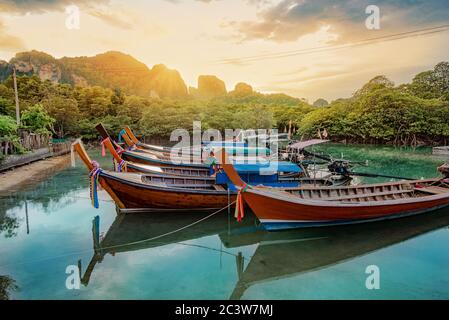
point(47, 226)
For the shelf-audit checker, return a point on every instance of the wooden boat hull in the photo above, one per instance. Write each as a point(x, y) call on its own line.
point(141, 157)
point(277, 212)
point(150, 196)
point(176, 171)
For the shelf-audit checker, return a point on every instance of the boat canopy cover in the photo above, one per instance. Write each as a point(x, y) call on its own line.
point(271, 167)
point(259, 173)
point(224, 143)
point(303, 144)
point(293, 184)
point(237, 150)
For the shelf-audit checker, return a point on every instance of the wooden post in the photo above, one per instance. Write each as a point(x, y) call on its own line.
point(16, 95)
point(26, 216)
point(96, 232)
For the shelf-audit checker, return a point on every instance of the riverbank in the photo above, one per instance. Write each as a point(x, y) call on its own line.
point(18, 178)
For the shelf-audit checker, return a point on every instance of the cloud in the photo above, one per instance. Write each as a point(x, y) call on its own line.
point(250, 2)
point(9, 42)
point(289, 20)
point(97, 9)
point(111, 18)
point(42, 6)
point(317, 76)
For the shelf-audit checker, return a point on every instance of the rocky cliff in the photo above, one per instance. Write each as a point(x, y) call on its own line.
point(210, 86)
point(111, 69)
point(166, 82)
point(115, 69)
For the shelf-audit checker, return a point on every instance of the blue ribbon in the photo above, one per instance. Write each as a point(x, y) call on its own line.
point(122, 132)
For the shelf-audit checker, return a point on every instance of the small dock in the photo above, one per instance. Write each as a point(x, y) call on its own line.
point(441, 151)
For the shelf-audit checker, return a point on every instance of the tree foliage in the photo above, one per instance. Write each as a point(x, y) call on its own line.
point(379, 112)
point(8, 126)
point(37, 119)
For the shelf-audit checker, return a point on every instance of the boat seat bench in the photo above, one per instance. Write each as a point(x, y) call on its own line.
point(433, 190)
point(345, 197)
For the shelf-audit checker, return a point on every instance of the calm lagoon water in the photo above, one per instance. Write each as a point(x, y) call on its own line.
point(47, 226)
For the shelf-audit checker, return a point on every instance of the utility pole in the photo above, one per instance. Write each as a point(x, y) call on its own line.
point(16, 93)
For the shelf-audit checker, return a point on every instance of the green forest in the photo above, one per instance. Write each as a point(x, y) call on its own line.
point(379, 112)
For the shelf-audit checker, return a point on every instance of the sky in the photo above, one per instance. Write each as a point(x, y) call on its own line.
point(306, 48)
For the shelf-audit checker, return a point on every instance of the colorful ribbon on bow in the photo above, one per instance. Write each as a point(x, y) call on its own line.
point(121, 166)
point(103, 150)
point(93, 175)
point(122, 132)
point(119, 150)
point(239, 205)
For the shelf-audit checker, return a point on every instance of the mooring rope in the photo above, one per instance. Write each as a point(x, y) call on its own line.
point(240, 207)
point(72, 152)
point(168, 233)
point(93, 175)
point(129, 243)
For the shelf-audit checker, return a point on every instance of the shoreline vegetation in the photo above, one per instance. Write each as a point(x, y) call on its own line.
point(380, 112)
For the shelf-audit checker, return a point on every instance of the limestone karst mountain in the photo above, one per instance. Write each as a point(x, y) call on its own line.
point(210, 86)
point(111, 70)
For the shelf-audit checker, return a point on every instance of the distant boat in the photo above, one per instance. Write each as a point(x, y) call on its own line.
point(286, 173)
point(232, 147)
point(187, 157)
point(309, 206)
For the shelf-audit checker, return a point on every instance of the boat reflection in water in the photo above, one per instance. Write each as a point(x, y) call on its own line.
point(278, 254)
point(131, 232)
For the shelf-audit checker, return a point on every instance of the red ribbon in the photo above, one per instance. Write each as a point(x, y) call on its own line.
point(120, 150)
point(103, 151)
point(239, 206)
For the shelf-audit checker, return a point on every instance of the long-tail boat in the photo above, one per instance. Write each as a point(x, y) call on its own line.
point(122, 165)
point(231, 147)
point(169, 192)
point(164, 158)
point(309, 206)
point(289, 176)
point(144, 163)
point(147, 192)
point(194, 153)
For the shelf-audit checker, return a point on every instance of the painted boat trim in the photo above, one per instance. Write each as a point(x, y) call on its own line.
point(274, 224)
point(143, 185)
point(323, 203)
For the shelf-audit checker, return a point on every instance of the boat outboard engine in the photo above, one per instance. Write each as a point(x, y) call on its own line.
point(444, 169)
point(339, 167)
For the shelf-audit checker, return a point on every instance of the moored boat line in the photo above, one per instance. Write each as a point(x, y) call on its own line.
point(276, 202)
point(323, 206)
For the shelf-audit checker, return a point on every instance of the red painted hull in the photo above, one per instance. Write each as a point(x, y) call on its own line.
point(282, 213)
point(141, 196)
